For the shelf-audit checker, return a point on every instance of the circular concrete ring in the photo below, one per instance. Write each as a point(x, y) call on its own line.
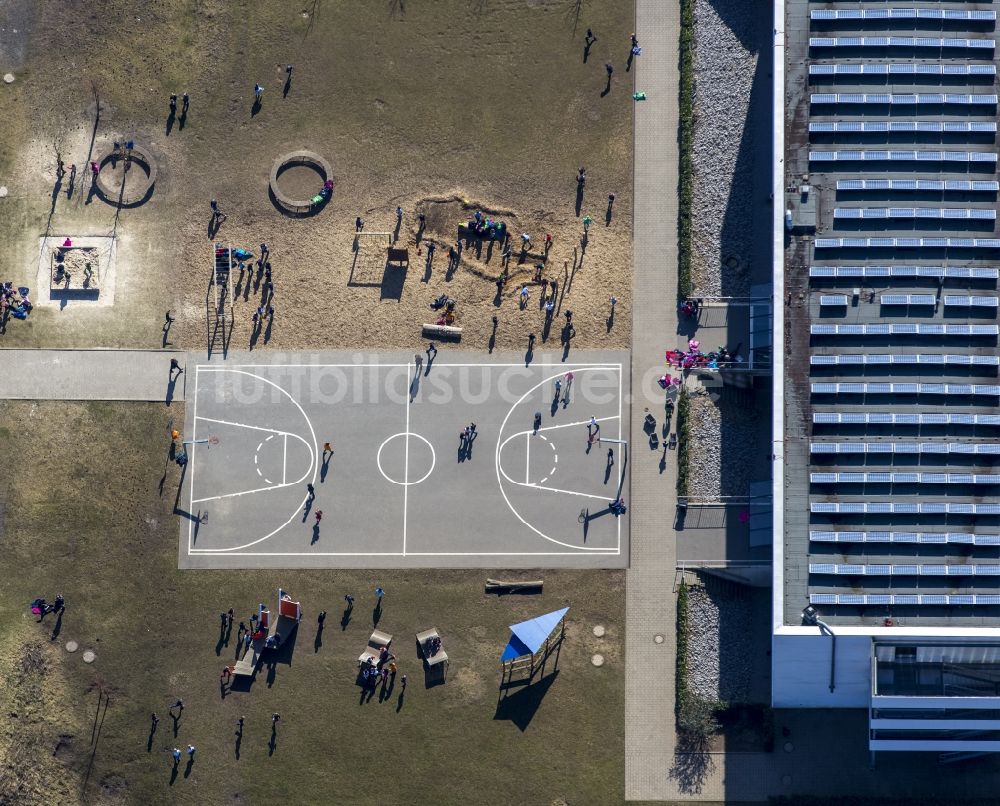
point(658, 639)
point(8, 78)
point(89, 656)
point(72, 646)
point(287, 204)
point(599, 631)
point(114, 195)
point(597, 660)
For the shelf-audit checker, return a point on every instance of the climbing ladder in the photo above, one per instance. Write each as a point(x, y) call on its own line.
point(220, 301)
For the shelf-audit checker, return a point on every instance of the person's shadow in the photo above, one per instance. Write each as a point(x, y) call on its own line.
point(273, 744)
point(58, 627)
point(239, 742)
point(182, 121)
point(492, 343)
point(588, 43)
point(399, 700)
point(315, 537)
point(173, 774)
point(607, 471)
point(288, 86)
point(170, 122)
point(188, 767)
point(530, 354)
point(377, 614)
point(319, 639)
point(607, 89)
point(468, 444)
point(177, 720)
point(149, 741)
point(324, 469)
point(611, 319)
point(579, 198)
point(345, 619)
point(308, 508)
point(256, 104)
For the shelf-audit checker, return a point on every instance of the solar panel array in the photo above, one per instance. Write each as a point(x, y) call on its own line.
point(903, 455)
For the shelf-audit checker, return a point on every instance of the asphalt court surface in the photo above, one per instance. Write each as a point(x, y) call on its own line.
point(401, 487)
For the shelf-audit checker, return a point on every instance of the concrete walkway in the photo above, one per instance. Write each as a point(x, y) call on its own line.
point(89, 375)
point(650, 610)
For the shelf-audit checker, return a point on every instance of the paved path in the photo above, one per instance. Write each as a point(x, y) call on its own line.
point(649, 676)
point(89, 375)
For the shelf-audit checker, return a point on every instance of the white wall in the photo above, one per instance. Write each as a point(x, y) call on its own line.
point(800, 668)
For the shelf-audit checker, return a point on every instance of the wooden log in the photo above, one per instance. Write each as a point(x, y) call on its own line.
point(442, 332)
point(498, 585)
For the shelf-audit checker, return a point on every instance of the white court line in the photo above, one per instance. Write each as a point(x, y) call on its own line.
point(527, 458)
point(409, 366)
point(619, 547)
point(312, 465)
point(273, 431)
point(398, 554)
point(191, 462)
point(500, 471)
point(580, 422)
point(216, 368)
point(406, 464)
point(284, 461)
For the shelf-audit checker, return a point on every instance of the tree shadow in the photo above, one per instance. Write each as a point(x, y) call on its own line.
point(692, 764)
point(521, 707)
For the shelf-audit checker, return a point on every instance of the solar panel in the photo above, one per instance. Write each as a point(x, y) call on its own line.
point(903, 329)
point(899, 42)
point(915, 243)
point(958, 272)
point(961, 99)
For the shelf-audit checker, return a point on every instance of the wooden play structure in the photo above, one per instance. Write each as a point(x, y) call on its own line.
point(271, 633)
point(529, 645)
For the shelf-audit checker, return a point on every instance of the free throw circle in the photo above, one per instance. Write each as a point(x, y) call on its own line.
point(409, 458)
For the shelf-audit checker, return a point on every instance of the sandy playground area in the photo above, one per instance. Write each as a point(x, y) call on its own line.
point(438, 108)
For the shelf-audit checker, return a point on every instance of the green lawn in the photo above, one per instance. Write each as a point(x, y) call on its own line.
point(83, 515)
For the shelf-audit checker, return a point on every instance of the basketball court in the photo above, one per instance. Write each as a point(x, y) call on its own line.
point(403, 487)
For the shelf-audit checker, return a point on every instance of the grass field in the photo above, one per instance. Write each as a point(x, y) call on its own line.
point(83, 514)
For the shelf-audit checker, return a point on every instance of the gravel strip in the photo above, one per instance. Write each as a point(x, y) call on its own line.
point(721, 449)
point(724, 73)
point(719, 645)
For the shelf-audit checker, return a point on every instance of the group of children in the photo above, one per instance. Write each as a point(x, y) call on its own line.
point(14, 302)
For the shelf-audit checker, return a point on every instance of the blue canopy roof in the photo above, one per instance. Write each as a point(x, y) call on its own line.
point(527, 637)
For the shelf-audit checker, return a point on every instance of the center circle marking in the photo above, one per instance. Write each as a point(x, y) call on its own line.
point(404, 435)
